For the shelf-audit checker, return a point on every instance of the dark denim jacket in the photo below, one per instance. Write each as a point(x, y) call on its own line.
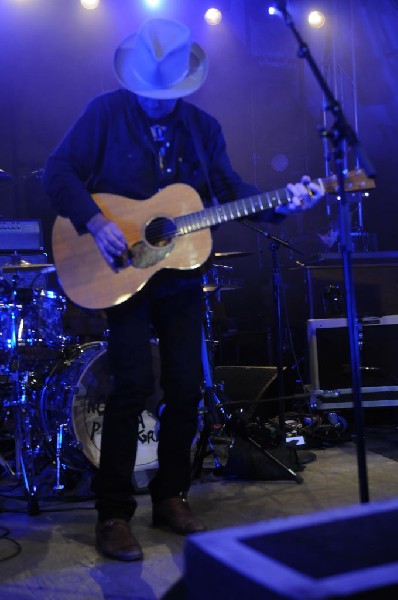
point(110, 149)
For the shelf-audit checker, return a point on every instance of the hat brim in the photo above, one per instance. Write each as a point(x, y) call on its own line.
point(125, 57)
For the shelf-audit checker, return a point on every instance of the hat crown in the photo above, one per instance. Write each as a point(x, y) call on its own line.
point(162, 52)
point(161, 61)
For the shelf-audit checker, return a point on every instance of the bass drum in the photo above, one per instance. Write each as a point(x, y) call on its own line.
point(74, 397)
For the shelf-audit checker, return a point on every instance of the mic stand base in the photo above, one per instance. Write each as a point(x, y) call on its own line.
point(218, 422)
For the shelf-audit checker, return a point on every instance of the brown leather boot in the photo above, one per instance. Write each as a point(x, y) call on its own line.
point(114, 539)
point(177, 514)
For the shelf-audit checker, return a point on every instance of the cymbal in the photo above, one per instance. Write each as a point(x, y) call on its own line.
point(231, 254)
point(25, 266)
point(209, 288)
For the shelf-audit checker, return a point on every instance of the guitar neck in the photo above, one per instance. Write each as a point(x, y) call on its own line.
point(354, 180)
point(215, 215)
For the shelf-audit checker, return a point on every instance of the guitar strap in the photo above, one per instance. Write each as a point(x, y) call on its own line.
point(197, 141)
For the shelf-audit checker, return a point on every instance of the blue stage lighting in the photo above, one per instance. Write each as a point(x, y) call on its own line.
point(153, 4)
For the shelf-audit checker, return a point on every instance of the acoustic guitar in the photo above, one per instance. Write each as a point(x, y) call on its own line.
point(171, 230)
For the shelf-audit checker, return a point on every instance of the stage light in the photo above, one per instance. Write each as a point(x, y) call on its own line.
point(316, 19)
point(213, 16)
point(153, 4)
point(90, 4)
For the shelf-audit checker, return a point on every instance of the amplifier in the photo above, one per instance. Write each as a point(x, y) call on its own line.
point(244, 383)
point(256, 388)
point(330, 364)
point(26, 279)
point(21, 236)
point(375, 276)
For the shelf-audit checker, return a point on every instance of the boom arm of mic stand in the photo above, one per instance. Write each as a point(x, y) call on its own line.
point(274, 238)
point(339, 132)
point(341, 129)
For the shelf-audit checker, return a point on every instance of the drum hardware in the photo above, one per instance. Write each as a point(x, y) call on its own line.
point(231, 254)
point(30, 323)
point(211, 288)
point(214, 417)
point(71, 407)
point(20, 265)
point(25, 451)
point(59, 487)
point(221, 287)
point(213, 283)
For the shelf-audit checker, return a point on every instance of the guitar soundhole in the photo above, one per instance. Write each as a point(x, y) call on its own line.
point(160, 232)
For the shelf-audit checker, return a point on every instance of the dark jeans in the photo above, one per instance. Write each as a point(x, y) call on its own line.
point(177, 321)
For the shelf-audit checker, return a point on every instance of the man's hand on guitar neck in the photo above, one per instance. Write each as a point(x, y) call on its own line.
point(108, 237)
point(305, 195)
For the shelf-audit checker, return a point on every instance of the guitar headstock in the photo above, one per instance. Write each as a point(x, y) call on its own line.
point(354, 181)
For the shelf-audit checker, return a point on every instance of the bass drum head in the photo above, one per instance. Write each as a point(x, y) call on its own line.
point(76, 393)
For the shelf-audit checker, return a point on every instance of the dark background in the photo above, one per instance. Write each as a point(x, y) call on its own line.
point(55, 56)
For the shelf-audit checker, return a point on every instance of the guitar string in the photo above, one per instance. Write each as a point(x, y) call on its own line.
point(355, 181)
point(168, 228)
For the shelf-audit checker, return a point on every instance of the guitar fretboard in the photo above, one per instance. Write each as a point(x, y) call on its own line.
point(229, 211)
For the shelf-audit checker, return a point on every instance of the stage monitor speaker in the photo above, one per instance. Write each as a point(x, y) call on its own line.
point(344, 553)
point(330, 362)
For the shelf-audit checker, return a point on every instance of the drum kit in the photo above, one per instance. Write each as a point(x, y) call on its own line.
point(53, 390)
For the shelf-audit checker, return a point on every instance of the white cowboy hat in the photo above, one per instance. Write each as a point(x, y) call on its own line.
point(160, 61)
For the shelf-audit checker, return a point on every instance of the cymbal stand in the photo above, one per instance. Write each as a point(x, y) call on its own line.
point(214, 415)
point(23, 434)
point(216, 419)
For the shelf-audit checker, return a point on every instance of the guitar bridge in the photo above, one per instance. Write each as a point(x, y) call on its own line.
point(142, 256)
point(123, 261)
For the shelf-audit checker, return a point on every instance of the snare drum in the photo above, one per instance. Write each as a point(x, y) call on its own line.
point(75, 395)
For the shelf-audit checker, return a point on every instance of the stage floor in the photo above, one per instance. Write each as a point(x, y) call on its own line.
point(57, 557)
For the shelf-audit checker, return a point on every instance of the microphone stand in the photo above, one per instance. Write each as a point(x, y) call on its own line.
point(276, 292)
point(339, 133)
